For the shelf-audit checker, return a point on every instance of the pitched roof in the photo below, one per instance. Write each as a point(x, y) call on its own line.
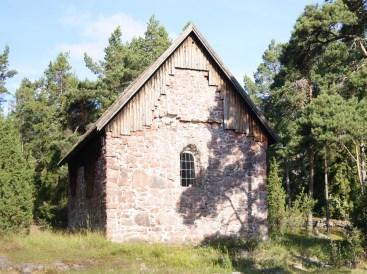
point(135, 86)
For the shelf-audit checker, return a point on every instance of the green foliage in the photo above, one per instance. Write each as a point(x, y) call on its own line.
point(327, 118)
point(359, 214)
point(123, 62)
point(354, 250)
point(5, 73)
point(260, 89)
point(314, 30)
point(43, 123)
point(46, 247)
point(233, 244)
point(251, 90)
point(52, 112)
point(186, 25)
point(315, 99)
point(296, 215)
point(275, 200)
point(16, 182)
point(224, 255)
point(341, 200)
point(348, 252)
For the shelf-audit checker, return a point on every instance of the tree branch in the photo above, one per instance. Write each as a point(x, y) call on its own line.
point(359, 41)
point(350, 153)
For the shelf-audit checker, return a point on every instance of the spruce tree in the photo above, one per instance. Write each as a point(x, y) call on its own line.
point(16, 180)
point(123, 62)
point(275, 200)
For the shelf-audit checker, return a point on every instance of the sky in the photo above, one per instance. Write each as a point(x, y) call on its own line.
point(239, 31)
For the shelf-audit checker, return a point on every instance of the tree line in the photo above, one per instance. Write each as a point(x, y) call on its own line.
point(313, 90)
point(48, 117)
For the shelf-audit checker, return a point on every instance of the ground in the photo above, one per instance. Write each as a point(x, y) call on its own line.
point(57, 252)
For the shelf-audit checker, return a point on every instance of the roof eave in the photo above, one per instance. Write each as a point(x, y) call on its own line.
point(79, 145)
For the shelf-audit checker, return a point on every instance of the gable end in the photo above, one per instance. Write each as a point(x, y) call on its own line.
point(135, 107)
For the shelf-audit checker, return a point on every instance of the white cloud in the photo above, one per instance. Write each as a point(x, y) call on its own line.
point(95, 30)
point(77, 50)
point(74, 18)
point(104, 25)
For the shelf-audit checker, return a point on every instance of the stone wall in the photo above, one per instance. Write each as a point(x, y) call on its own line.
point(145, 199)
point(88, 211)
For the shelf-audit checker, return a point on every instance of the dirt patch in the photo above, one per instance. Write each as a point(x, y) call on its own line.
point(28, 268)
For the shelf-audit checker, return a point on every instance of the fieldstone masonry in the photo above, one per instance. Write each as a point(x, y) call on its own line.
point(144, 197)
point(137, 193)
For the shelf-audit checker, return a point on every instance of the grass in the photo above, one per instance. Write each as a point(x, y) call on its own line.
point(96, 255)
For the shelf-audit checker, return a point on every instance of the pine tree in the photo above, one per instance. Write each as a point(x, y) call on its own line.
point(325, 55)
point(260, 89)
point(327, 117)
point(5, 73)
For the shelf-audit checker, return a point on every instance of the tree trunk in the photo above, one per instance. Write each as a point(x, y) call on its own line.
point(311, 156)
point(358, 160)
point(287, 183)
point(363, 165)
point(326, 192)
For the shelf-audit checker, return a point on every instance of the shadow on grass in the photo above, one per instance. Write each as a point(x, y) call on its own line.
point(301, 241)
point(249, 266)
point(238, 250)
point(310, 250)
point(290, 253)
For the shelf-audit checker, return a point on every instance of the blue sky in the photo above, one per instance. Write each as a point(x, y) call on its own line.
point(239, 31)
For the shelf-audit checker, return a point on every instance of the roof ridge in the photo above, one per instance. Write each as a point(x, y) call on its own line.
point(135, 86)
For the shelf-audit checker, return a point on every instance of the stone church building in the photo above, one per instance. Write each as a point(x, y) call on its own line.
point(180, 155)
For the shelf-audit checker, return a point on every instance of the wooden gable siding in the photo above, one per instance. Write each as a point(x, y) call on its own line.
point(140, 111)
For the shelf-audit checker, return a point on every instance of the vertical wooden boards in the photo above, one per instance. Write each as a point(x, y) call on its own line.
point(236, 115)
point(152, 99)
point(225, 106)
point(246, 119)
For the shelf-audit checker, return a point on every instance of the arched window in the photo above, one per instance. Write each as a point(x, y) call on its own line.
point(187, 164)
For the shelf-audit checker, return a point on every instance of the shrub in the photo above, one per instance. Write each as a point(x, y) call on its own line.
point(232, 249)
point(296, 215)
point(348, 252)
point(359, 214)
point(231, 243)
point(336, 257)
point(16, 192)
